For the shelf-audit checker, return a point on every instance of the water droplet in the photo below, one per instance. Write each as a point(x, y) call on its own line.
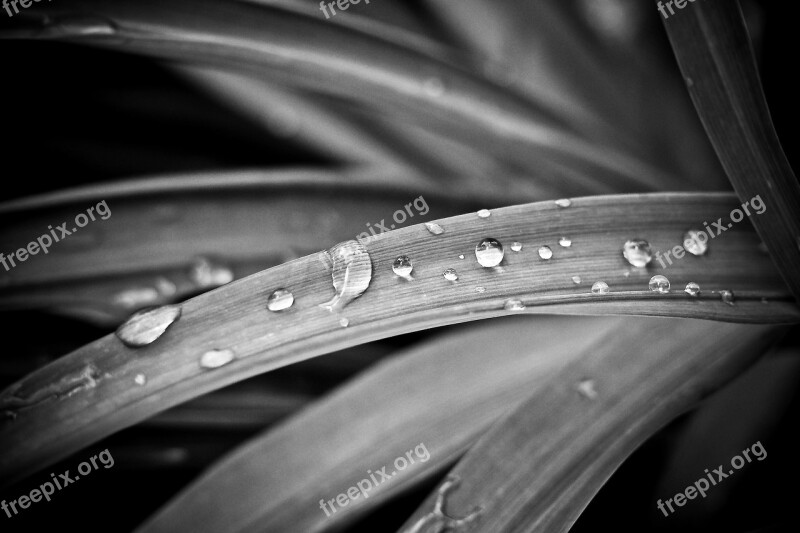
point(461, 256)
point(563, 202)
point(206, 273)
point(763, 248)
point(75, 25)
point(480, 289)
point(689, 82)
point(600, 287)
point(545, 252)
point(434, 228)
point(351, 273)
point(434, 87)
point(216, 358)
point(450, 274)
point(516, 246)
point(489, 252)
point(402, 266)
point(586, 389)
point(344, 322)
point(280, 300)
point(693, 243)
point(484, 213)
point(145, 327)
point(140, 379)
point(727, 297)
point(637, 252)
point(659, 284)
point(166, 287)
point(138, 297)
point(514, 305)
point(692, 289)
point(576, 280)
point(565, 242)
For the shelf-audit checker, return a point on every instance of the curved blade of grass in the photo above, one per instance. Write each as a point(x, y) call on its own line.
point(470, 376)
point(390, 77)
point(713, 50)
point(43, 427)
point(537, 469)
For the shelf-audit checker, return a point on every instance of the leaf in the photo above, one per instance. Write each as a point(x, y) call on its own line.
point(93, 390)
point(538, 468)
point(713, 50)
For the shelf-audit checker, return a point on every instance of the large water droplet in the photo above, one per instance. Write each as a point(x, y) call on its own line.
point(727, 297)
point(216, 358)
point(659, 284)
point(280, 300)
point(545, 252)
point(563, 202)
point(351, 273)
point(489, 252)
point(514, 305)
point(637, 252)
point(450, 274)
point(402, 266)
point(600, 287)
point(205, 273)
point(484, 213)
point(565, 242)
point(692, 289)
point(434, 228)
point(576, 280)
point(516, 246)
point(145, 327)
point(693, 243)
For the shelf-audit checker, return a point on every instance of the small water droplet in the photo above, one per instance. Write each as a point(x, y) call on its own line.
point(586, 389)
point(450, 274)
point(140, 379)
point(764, 301)
point(344, 322)
point(763, 248)
point(146, 326)
point(563, 202)
point(727, 297)
point(692, 289)
point(659, 284)
point(484, 213)
point(137, 297)
point(351, 273)
point(216, 358)
point(434, 87)
point(461, 256)
point(516, 246)
point(514, 305)
point(600, 287)
point(207, 273)
point(576, 280)
point(545, 252)
point(402, 266)
point(280, 300)
point(480, 289)
point(565, 242)
point(637, 252)
point(489, 252)
point(693, 243)
point(689, 82)
point(434, 228)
